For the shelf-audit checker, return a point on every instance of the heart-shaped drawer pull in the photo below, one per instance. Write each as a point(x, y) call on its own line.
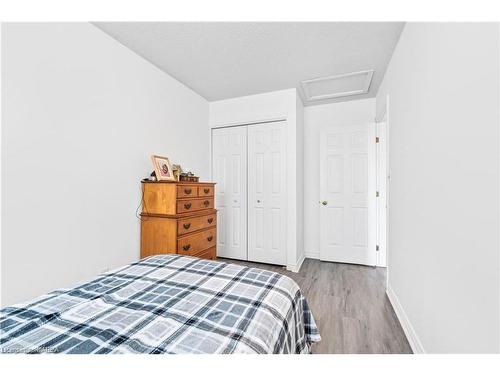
point(187, 206)
point(210, 238)
point(206, 203)
point(206, 191)
point(186, 247)
point(210, 220)
point(187, 191)
point(187, 225)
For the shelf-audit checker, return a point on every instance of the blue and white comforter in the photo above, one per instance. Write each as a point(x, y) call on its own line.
point(166, 304)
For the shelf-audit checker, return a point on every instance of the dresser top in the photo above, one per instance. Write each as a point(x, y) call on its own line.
point(178, 182)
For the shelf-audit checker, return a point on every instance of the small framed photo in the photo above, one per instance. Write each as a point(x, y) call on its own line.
point(163, 168)
point(177, 171)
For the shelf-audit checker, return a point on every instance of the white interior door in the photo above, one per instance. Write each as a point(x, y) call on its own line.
point(347, 194)
point(266, 193)
point(229, 171)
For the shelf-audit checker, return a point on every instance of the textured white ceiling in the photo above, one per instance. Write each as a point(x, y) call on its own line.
point(222, 60)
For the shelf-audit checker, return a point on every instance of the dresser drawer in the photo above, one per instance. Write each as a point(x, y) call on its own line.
point(194, 243)
point(207, 254)
point(195, 223)
point(187, 191)
point(205, 191)
point(189, 205)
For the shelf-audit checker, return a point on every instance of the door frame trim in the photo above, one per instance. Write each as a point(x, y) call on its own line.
point(385, 117)
point(382, 261)
point(245, 123)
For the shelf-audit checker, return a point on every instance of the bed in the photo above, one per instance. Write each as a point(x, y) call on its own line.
point(166, 304)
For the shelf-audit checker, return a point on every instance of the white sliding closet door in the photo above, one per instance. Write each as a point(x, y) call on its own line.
point(229, 171)
point(266, 193)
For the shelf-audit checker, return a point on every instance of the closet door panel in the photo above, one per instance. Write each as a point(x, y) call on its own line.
point(266, 193)
point(229, 161)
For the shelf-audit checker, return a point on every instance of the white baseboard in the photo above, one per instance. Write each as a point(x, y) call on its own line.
point(296, 267)
point(411, 335)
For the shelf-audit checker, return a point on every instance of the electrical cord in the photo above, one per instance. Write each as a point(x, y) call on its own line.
point(142, 204)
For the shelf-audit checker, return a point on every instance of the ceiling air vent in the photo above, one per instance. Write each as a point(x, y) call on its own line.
point(337, 86)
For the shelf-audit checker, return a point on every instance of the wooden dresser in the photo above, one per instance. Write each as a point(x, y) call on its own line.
point(178, 218)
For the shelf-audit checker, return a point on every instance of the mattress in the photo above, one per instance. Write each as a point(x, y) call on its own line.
point(166, 304)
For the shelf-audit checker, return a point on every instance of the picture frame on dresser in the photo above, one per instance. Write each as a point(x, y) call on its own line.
point(163, 168)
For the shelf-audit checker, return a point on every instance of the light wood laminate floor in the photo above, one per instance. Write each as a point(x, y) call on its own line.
point(349, 305)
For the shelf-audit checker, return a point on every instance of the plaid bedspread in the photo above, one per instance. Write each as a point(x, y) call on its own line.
point(166, 304)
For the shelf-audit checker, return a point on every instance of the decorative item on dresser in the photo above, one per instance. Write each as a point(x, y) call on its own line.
point(163, 169)
point(188, 177)
point(178, 218)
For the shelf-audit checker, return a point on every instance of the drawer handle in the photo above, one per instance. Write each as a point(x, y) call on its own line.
point(187, 191)
point(210, 238)
point(186, 247)
point(206, 203)
point(206, 191)
point(187, 225)
point(187, 206)
point(210, 220)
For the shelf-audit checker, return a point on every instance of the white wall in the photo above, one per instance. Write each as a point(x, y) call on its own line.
point(344, 113)
point(276, 105)
point(81, 116)
point(444, 193)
